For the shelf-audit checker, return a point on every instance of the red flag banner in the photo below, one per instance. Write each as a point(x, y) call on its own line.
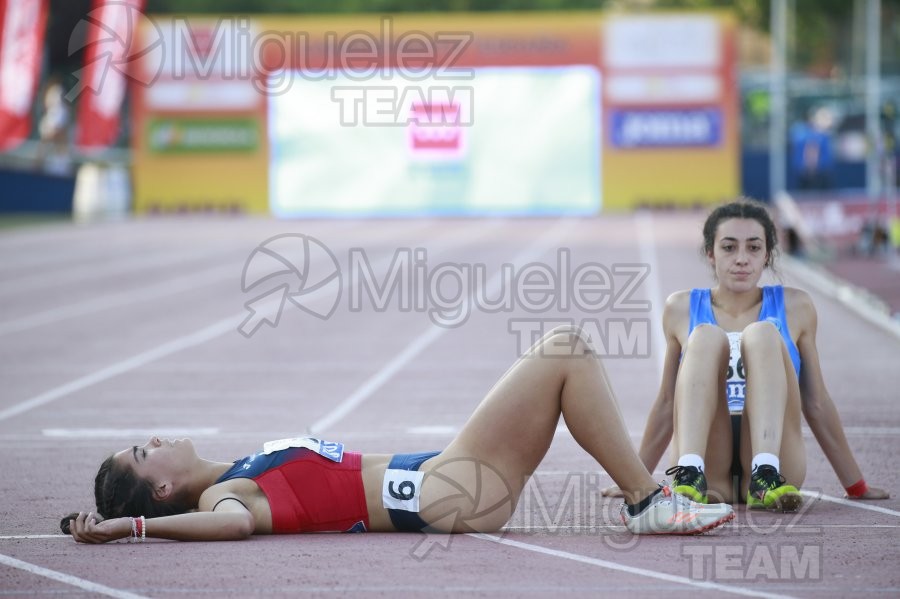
point(22, 28)
point(110, 42)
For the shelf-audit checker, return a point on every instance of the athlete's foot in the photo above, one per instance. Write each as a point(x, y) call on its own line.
point(690, 482)
point(674, 514)
point(769, 491)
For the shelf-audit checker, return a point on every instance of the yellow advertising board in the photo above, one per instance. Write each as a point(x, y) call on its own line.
point(613, 111)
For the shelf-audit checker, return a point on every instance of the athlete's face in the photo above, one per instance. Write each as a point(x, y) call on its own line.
point(163, 462)
point(739, 253)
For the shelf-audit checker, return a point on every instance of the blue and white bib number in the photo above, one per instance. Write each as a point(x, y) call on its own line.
point(735, 379)
point(401, 488)
point(327, 449)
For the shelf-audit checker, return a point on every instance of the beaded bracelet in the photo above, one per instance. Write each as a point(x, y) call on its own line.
point(138, 531)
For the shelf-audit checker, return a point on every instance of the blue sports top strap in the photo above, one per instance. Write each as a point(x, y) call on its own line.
point(773, 311)
point(701, 309)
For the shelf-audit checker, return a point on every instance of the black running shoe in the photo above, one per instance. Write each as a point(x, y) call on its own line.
point(689, 481)
point(769, 491)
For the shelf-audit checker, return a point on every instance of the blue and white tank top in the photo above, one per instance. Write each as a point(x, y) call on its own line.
point(772, 310)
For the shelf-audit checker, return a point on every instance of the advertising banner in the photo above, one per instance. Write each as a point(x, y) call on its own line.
point(108, 53)
point(671, 103)
point(199, 121)
point(514, 140)
point(437, 114)
point(22, 27)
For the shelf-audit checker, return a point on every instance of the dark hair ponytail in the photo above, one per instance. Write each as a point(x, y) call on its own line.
point(742, 208)
point(119, 492)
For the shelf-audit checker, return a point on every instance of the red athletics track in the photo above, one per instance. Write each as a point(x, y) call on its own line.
point(111, 332)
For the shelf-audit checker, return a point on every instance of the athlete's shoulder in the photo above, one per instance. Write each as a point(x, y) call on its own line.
point(677, 310)
point(799, 307)
point(797, 298)
point(679, 301)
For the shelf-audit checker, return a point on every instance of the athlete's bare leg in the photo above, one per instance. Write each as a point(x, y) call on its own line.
point(513, 427)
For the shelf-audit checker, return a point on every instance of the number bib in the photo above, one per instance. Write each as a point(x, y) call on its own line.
point(327, 449)
point(400, 490)
point(736, 379)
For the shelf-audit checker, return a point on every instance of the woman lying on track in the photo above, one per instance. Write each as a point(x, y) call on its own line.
point(163, 489)
point(741, 365)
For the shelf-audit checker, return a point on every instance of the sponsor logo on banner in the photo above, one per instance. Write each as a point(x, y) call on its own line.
point(435, 131)
point(179, 135)
point(21, 39)
point(666, 128)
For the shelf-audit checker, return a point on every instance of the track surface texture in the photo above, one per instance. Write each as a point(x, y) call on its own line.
point(112, 332)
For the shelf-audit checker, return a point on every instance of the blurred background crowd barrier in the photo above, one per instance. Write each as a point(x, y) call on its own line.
point(116, 107)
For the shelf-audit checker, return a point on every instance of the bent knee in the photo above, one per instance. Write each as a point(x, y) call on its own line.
point(761, 335)
point(707, 337)
point(569, 338)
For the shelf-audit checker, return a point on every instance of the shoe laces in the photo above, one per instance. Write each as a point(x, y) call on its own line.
point(684, 474)
point(768, 477)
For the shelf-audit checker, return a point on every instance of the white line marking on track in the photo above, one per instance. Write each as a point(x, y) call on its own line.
point(213, 331)
point(792, 528)
point(433, 333)
point(80, 274)
point(703, 584)
point(850, 296)
point(867, 431)
point(33, 537)
point(863, 505)
point(374, 382)
point(117, 300)
point(126, 433)
point(647, 244)
point(617, 528)
point(81, 583)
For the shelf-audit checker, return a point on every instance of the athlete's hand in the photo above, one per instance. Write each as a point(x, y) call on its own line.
point(89, 528)
point(871, 493)
point(612, 491)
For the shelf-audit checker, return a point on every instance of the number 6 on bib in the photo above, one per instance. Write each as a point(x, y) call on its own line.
point(400, 490)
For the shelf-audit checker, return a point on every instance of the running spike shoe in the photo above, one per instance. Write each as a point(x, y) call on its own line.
point(673, 514)
point(768, 490)
point(690, 482)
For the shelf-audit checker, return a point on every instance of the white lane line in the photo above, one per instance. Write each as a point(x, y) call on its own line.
point(117, 300)
point(178, 344)
point(863, 505)
point(213, 331)
point(858, 300)
point(867, 431)
point(81, 583)
point(434, 332)
point(126, 433)
point(647, 244)
point(79, 275)
point(789, 528)
point(702, 584)
point(805, 528)
point(374, 382)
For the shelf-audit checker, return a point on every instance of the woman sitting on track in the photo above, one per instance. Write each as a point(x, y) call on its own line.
point(164, 490)
point(733, 387)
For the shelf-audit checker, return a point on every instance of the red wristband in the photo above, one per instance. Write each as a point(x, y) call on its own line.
point(857, 489)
